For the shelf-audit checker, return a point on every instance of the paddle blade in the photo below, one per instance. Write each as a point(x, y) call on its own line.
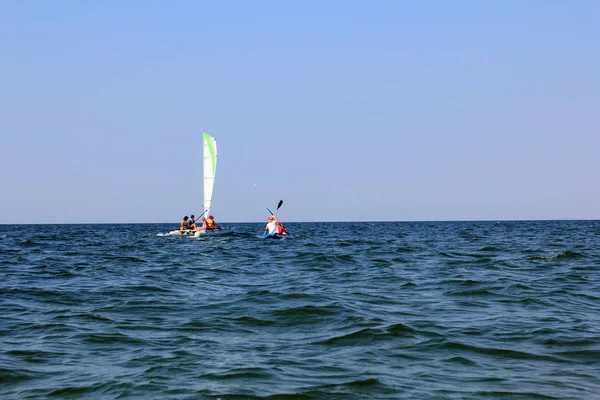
point(279, 204)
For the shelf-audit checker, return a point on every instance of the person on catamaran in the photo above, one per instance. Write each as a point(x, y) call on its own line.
point(184, 225)
point(204, 225)
point(210, 224)
point(271, 228)
point(192, 222)
point(281, 230)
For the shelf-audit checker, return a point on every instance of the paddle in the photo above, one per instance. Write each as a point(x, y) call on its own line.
point(278, 205)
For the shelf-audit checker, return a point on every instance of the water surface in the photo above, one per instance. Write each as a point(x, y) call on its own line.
point(407, 310)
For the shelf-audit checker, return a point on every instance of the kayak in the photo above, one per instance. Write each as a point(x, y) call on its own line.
point(274, 236)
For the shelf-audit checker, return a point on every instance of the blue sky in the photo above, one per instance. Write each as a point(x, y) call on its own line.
point(347, 110)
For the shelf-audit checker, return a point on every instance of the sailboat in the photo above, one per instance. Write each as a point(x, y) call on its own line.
point(209, 165)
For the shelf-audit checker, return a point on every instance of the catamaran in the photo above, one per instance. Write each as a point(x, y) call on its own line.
point(209, 153)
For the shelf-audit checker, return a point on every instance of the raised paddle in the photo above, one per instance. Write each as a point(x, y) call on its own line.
point(278, 205)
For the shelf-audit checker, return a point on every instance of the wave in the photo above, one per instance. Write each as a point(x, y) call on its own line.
point(252, 321)
point(363, 337)
point(566, 255)
point(463, 282)
point(87, 317)
point(591, 356)
point(472, 292)
point(71, 391)
point(29, 243)
point(8, 376)
point(330, 259)
point(454, 255)
point(497, 352)
point(369, 382)
point(112, 339)
point(34, 356)
point(240, 373)
point(127, 259)
point(491, 249)
point(308, 311)
point(400, 329)
point(568, 341)
point(525, 395)
point(461, 360)
point(404, 249)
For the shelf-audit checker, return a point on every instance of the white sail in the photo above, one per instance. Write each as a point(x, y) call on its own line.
point(210, 169)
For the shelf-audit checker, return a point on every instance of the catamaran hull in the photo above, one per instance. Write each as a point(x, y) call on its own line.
point(219, 232)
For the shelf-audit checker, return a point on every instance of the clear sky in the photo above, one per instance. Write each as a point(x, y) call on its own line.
point(346, 110)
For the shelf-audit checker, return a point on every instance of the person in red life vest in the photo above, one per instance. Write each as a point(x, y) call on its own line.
point(281, 229)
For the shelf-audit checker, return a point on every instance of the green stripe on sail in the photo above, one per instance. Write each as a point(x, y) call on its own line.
point(209, 140)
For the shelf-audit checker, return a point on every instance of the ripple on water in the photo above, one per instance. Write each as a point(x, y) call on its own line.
point(453, 310)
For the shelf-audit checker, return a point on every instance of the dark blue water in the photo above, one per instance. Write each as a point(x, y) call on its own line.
point(451, 310)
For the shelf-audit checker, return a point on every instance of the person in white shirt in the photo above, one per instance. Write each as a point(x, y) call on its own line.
point(271, 225)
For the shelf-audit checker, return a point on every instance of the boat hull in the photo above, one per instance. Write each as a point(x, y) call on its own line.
point(190, 233)
point(274, 236)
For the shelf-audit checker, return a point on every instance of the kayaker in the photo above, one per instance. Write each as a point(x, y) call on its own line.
point(281, 229)
point(271, 227)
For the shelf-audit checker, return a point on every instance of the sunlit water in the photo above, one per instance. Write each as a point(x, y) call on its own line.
point(451, 310)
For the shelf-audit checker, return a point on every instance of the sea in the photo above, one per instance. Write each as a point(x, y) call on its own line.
point(354, 310)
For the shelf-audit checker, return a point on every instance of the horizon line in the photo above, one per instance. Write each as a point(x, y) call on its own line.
point(311, 222)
